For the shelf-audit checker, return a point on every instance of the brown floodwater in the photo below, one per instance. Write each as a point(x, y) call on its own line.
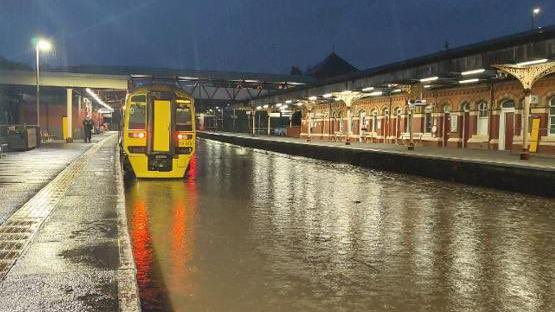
point(249, 230)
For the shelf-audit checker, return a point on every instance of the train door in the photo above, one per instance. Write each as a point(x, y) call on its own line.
point(162, 126)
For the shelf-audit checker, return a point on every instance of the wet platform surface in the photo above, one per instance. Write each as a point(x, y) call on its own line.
point(74, 260)
point(541, 161)
point(249, 230)
point(23, 174)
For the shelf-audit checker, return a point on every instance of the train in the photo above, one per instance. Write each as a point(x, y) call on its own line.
point(157, 137)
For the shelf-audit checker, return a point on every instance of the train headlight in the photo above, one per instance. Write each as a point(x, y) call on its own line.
point(137, 135)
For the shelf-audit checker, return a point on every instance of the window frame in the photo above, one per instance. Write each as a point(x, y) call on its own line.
point(551, 117)
point(145, 116)
point(483, 117)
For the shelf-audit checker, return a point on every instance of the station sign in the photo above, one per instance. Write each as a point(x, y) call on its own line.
point(275, 115)
point(415, 103)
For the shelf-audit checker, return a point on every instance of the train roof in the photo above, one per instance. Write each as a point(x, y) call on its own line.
point(158, 87)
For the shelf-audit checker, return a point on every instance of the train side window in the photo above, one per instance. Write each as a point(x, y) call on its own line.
point(183, 119)
point(137, 116)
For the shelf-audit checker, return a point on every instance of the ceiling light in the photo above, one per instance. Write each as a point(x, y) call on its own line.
point(473, 72)
point(469, 81)
point(428, 79)
point(534, 62)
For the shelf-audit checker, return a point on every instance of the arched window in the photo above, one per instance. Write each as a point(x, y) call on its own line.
point(446, 108)
point(508, 104)
point(363, 121)
point(552, 116)
point(340, 119)
point(465, 107)
point(374, 121)
point(483, 116)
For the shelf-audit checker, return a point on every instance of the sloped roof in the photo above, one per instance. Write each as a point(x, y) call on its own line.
point(332, 66)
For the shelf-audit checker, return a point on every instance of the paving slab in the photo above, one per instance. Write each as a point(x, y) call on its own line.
point(23, 174)
point(73, 251)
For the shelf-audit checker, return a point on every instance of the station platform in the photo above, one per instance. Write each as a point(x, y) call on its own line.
point(497, 169)
point(64, 244)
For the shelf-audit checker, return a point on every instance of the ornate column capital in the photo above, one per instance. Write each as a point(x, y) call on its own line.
point(528, 75)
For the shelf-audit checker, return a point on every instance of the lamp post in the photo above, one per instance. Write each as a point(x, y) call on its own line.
point(40, 45)
point(535, 12)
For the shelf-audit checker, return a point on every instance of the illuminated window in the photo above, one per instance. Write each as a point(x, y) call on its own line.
point(183, 119)
point(483, 117)
point(428, 120)
point(137, 112)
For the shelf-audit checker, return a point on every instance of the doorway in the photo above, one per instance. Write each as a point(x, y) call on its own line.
point(465, 127)
point(507, 125)
point(446, 124)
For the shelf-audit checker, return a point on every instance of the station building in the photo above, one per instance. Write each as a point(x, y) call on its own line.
point(483, 116)
point(466, 102)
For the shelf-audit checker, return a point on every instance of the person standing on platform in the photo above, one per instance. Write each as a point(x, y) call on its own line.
point(87, 127)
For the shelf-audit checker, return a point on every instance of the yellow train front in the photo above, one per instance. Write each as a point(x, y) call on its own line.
point(158, 137)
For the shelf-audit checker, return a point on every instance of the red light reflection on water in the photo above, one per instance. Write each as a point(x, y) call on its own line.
point(142, 249)
point(163, 222)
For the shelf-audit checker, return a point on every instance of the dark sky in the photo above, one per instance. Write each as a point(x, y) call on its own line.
point(254, 35)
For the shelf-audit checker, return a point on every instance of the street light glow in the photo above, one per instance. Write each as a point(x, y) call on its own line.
point(536, 11)
point(313, 98)
point(473, 72)
point(327, 95)
point(44, 45)
point(265, 106)
point(258, 107)
point(534, 62)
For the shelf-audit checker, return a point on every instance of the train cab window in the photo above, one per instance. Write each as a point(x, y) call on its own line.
point(137, 112)
point(183, 119)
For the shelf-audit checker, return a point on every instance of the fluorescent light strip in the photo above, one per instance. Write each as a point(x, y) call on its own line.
point(327, 95)
point(473, 72)
point(469, 81)
point(95, 96)
point(313, 98)
point(368, 89)
point(534, 62)
point(376, 93)
point(396, 91)
point(429, 79)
